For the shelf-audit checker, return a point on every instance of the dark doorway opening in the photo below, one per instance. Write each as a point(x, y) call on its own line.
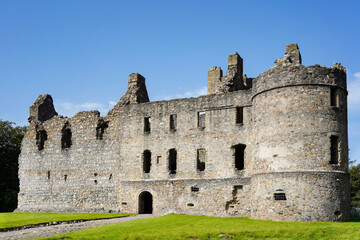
point(145, 203)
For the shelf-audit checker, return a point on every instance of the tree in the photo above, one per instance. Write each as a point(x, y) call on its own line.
point(10, 143)
point(355, 185)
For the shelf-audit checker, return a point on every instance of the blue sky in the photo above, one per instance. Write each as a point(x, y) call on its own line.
point(81, 52)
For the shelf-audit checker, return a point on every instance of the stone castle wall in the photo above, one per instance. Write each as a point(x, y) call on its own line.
point(272, 147)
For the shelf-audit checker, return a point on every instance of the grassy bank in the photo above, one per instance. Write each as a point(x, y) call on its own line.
point(17, 219)
point(200, 227)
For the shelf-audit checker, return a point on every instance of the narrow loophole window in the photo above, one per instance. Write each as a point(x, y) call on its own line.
point(334, 149)
point(239, 156)
point(200, 161)
point(334, 97)
point(173, 122)
point(201, 119)
point(172, 160)
point(239, 115)
point(146, 161)
point(147, 124)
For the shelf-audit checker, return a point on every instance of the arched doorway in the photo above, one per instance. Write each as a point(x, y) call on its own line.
point(145, 202)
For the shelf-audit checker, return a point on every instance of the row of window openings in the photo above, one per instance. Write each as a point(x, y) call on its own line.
point(66, 176)
point(239, 155)
point(41, 135)
point(200, 122)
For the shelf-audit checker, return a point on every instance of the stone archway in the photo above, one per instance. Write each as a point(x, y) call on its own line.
point(145, 203)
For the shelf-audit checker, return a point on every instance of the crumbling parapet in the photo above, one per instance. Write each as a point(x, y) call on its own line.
point(136, 92)
point(292, 55)
point(42, 109)
point(232, 81)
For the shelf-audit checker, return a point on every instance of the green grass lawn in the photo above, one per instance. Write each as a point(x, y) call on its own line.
point(200, 227)
point(16, 219)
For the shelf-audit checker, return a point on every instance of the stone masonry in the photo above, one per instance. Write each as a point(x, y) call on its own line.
point(271, 147)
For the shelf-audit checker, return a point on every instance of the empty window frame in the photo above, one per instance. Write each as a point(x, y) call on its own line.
point(239, 156)
point(201, 119)
point(279, 196)
point(239, 115)
point(334, 149)
point(173, 122)
point(147, 124)
point(66, 136)
point(100, 129)
point(334, 97)
point(146, 161)
point(172, 160)
point(200, 159)
point(41, 137)
point(194, 189)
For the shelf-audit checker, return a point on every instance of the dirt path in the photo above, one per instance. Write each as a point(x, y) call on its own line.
point(48, 231)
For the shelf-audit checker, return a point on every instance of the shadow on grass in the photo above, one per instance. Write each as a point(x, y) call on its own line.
point(355, 219)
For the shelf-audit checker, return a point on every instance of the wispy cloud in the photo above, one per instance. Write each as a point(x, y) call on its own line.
point(194, 93)
point(354, 92)
point(69, 109)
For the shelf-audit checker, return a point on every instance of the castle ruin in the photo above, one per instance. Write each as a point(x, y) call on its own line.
point(271, 147)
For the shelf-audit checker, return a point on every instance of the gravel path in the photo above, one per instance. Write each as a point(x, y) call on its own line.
point(48, 231)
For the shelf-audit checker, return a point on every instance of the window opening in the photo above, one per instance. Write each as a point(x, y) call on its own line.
point(201, 119)
point(41, 137)
point(65, 177)
point(110, 177)
point(200, 162)
point(279, 196)
point(190, 204)
point(239, 115)
point(158, 159)
point(194, 189)
point(173, 122)
point(66, 136)
point(334, 97)
point(48, 175)
point(334, 150)
point(146, 161)
point(147, 123)
point(239, 156)
point(100, 129)
point(95, 181)
point(172, 161)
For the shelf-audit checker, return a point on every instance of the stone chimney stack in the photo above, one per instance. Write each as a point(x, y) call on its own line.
point(136, 92)
point(214, 80)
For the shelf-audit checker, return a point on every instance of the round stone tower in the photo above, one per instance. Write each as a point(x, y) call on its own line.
point(300, 142)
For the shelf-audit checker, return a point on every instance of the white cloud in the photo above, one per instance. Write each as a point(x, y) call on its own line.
point(354, 92)
point(195, 93)
point(69, 109)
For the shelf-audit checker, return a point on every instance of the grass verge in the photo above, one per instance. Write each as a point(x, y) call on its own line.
point(201, 227)
point(17, 219)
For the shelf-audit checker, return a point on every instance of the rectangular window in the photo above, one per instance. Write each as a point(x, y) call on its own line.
point(239, 115)
point(172, 161)
point(194, 189)
point(239, 154)
point(334, 97)
point(200, 162)
point(173, 122)
point(279, 196)
point(146, 161)
point(334, 150)
point(158, 159)
point(201, 119)
point(147, 123)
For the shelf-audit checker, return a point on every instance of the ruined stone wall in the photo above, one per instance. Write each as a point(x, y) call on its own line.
point(79, 178)
point(273, 147)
